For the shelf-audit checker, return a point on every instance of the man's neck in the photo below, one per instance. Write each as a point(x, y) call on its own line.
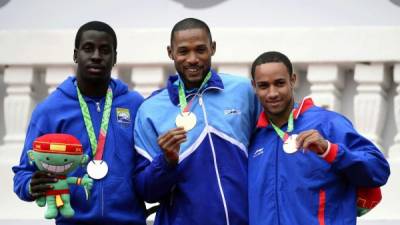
point(92, 89)
point(281, 119)
point(191, 85)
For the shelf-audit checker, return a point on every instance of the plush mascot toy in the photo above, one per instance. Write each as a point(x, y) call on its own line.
point(367, 198)
point(59, 154)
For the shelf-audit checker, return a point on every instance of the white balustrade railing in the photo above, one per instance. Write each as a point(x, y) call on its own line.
point(326, 83)
point(18, 104)
point(24, 87)
point(394, 151)
point(370, 102)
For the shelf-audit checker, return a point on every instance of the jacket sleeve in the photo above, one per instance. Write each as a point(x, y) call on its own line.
point(23, 172)
point(362, 163)
point(154, 177)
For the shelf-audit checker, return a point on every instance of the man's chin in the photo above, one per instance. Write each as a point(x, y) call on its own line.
point(97, 78)
point(274, 112)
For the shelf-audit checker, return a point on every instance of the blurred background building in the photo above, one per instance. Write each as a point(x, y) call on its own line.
point(346, 53)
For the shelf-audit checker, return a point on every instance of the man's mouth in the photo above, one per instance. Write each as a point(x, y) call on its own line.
point(193, 69)
point(95, 69)
point(274, 103)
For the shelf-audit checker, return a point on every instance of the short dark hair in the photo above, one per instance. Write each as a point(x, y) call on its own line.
point(268, 57)
point(97, 26)
point(190, 23)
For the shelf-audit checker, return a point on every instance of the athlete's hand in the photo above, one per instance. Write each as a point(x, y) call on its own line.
point(40, 183)
point(312, 140)
point(170, 144)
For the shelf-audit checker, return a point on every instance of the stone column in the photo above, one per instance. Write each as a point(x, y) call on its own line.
point(147, 79)
point(394, 151)
point(370, 101)
point(18, 105)
point(326, 82)
point(56, 75)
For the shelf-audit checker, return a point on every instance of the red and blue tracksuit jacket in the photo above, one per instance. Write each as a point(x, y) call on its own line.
point(305, 188)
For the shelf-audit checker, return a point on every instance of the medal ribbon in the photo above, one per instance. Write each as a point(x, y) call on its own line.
point(97, 146)
point(182, 97)
point(284, 135)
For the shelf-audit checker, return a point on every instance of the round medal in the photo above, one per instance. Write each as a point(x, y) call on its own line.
point(187, 120)
point(289, 146)
point(97, 169)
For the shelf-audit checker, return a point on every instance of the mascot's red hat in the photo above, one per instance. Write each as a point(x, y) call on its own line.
point(58, 144)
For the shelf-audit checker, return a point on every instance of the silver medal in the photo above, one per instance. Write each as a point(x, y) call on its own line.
point(187, 120)
point(289, 146)
point(97, 169)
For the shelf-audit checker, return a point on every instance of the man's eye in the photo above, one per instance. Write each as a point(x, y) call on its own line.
point(105, 50)
point(87, 49)
point(182, 52)
point(201, 50)
point(281, 83)
point(262, 86)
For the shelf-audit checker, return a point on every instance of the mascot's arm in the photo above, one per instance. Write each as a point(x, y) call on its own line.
point(84, 181)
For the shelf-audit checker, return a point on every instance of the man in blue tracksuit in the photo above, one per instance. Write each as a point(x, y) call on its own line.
point(192, 137)
point(305, 162)
point(113, 199)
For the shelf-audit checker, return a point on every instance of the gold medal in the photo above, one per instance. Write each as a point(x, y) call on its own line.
point(187, 120)
point(97, 169)
point(289, 146)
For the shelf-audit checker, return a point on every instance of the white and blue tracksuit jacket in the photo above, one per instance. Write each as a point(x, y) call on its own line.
point(209, 185)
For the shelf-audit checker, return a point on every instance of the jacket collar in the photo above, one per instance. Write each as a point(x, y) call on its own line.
point(172, 85)
point(307, 103)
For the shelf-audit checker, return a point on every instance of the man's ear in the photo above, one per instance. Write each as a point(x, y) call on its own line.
point(75, 56)
point(213, 48)
point(293, 80)
point(84, 159)
point(169, 50)
point(31, 157)
point(115, 58)
point(253, 83)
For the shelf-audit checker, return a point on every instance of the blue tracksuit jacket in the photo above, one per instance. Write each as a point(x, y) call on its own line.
point(209, 185)
point(304, 188)
point(113, 199)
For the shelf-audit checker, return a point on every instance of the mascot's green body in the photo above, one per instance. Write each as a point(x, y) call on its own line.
point(59, 154)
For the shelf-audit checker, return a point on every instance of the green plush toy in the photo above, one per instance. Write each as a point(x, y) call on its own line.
point(59, 154)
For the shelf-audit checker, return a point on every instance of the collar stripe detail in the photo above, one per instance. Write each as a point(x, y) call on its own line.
point(306, 104)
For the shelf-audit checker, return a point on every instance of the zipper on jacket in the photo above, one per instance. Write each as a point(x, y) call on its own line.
point(276, 184)
point(201, 103)
point(98, 106)
point(102, 199)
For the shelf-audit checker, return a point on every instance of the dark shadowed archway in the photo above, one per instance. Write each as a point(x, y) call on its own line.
point(196, 4)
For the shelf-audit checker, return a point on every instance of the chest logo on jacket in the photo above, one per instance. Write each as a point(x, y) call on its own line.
point(258, 152)
point(123, 115)
point(232, 112)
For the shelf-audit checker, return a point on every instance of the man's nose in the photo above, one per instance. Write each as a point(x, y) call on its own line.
point(96, 54)
point(272, 92)
point(192, 58)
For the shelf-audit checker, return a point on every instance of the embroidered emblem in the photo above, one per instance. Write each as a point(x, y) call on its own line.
point(258, 152)
point(123, 115)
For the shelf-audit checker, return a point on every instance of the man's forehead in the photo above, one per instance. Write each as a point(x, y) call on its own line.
point(191, 34)
point(90, 34)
